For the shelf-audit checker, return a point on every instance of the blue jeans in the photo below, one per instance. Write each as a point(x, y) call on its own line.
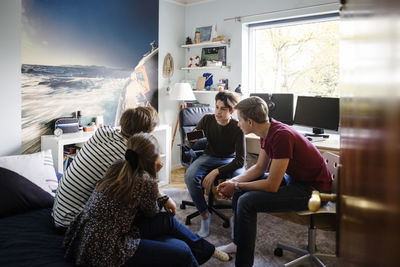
point(291, 196)
point(166, 242)
point(197, 171)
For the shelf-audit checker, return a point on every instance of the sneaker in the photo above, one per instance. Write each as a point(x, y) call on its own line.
point(230, 248)
point(205, 227)
point(220, 255)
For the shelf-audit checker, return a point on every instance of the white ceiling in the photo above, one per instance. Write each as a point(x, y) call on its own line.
point(189, 2)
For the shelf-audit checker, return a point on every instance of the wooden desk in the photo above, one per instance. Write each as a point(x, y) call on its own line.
point(331, 144)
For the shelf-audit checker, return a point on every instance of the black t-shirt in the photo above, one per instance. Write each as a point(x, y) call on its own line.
point(223, 142)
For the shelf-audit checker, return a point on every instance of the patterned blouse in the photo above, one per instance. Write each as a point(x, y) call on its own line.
point(103, 233)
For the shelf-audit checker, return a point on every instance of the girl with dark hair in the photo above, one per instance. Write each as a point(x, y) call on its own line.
point(121, 224)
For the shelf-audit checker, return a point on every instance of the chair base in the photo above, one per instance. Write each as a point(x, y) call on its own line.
point(211, 209)
point(305, 255)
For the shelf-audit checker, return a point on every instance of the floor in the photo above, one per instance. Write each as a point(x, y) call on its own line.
point(177, 179)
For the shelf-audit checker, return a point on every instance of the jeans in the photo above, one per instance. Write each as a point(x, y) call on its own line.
point(166, 242)
point(291, 196)
point(197, 171)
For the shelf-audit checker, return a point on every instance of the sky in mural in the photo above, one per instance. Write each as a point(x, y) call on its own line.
point(89, 32)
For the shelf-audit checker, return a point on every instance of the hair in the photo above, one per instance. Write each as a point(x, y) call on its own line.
point(229, 98)
point(121, 181)
point(139, 119)
point(253, 108)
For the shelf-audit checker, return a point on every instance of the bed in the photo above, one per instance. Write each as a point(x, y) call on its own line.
point(27, 234)
point(29, 239)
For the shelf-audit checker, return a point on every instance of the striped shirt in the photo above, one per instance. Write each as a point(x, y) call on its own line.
point(90, 165)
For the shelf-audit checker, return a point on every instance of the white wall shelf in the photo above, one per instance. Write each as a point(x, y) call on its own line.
point(207, 68)
point(208, 44)
point(56, 145)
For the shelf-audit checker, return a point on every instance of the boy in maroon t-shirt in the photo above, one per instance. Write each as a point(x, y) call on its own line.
point(295, 170)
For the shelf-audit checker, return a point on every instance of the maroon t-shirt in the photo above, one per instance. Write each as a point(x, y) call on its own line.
point(306, 163)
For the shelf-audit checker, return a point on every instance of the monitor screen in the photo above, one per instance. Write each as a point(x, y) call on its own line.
point(317, 112)
point(280, 106)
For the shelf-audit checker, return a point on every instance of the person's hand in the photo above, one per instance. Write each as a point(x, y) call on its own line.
point(170, 206)
point(158, 165)
point(209, 180)
point(226, 189)
point(194, 140)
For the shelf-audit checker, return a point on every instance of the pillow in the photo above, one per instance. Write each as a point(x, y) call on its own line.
point(18, 194)
point(37, 168)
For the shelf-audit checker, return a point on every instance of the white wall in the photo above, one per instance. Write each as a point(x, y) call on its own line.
point(10, 78)
point(171, 27)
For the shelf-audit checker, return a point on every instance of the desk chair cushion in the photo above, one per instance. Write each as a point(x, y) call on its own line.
point(188, 119)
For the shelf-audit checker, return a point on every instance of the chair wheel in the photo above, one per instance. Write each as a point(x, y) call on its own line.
point(226, 224)
point(278, 252)
point(187, 222)
point(182, 206)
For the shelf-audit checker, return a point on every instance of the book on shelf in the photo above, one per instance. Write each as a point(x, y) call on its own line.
point(70, 151)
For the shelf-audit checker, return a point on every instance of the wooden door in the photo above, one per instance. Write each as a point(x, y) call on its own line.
point(369, 211)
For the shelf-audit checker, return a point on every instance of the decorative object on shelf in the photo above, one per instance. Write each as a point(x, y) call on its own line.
point(209, 80)
point(99, 121)
point(213, 54)
point(214, 63)
point(197, 37)
point(79, 117)
point(196, 61)
point(153, 46)
point(200, 83)
point(181, 92)
point(238, 89)
point(225, 82)
point(219, 38)
point(67, 124)
point(58, 132)
point(206, 33)
point(188, 41)
point(168, 69)
point(88, 129)
point(190, 62)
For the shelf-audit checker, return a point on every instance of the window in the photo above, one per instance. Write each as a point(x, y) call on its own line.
point(299, 56)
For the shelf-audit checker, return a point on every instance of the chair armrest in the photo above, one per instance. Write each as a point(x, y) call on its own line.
point(314, 203)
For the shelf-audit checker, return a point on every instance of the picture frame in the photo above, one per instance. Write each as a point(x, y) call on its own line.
point(206, 33)
point(213, 54)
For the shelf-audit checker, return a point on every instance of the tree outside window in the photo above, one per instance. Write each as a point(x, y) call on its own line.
point(301, 59)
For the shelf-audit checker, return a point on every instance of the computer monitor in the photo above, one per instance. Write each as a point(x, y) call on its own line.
point(280, 106)
point(317, 112)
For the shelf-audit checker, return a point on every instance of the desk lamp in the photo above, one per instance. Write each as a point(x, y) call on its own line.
point(182, 92)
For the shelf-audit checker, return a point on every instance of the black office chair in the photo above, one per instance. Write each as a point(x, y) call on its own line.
point(188, 119)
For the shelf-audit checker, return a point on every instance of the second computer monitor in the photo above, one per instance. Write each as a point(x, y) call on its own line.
point(280, 106)
point(317, 112)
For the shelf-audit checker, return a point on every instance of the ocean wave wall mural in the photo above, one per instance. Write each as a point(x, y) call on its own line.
point(95, 56)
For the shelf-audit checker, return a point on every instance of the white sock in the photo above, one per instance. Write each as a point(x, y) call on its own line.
point(230, 248)
point(205, 227)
